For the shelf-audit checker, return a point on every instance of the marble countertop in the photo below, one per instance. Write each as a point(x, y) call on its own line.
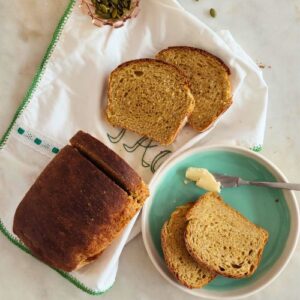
point(269, 33)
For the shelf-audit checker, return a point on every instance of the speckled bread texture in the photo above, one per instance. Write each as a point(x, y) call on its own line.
point(113, 165)
point(208, 78)
point(72, 212)
point(185, 269)
point(221, 239)
point(149, 97)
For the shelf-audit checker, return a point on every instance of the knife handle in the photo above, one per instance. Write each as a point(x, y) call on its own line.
point(278, 185)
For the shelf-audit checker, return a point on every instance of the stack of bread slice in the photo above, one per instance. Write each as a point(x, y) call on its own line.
point(208, 238)
point(156, 97)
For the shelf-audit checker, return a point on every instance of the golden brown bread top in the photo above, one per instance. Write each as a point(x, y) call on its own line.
point(72, 212)
point(107, 160)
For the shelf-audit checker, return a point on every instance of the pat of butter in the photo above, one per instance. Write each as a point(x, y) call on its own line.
point(204, 179)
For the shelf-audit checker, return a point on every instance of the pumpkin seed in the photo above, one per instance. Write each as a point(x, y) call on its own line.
point(213, 12)
point(111, 8)
point(114, 13)
point(103, 15)
point(103, 8)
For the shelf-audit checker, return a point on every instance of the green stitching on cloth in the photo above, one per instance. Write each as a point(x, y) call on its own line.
point(38, 75)
point(21, 130)
point(257, 148)
point(144, 143)
point(33, 138)
point(37, 141)
point(36, 79)
point(66, 275)
point(55, 150)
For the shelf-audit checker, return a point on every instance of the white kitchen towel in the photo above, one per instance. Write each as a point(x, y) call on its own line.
point(68, 93)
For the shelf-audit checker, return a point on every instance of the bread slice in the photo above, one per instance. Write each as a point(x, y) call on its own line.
point(177, 258)
point(112, 165)
point(149, 97)
point(223, 240)
point(209, 82)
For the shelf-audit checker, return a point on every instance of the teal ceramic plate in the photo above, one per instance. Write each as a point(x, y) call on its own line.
point(273, 209)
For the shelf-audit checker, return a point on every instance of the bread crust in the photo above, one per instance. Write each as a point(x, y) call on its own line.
point(170, 267)
point(72, 212)
point(186, 86)
point(225, 67)
point(200, 259)
point(199, 51)
point(108, 161)
point(149, 60)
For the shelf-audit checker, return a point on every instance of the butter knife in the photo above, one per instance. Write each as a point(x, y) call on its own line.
point(233, 181)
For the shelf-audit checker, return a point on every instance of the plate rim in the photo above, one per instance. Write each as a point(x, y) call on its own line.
point(280, 263)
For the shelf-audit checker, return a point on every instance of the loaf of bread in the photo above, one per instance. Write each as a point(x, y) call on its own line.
point(208, 78)
point(221, 239)
point(76, 208)
point(149, 97)
point(185, 269)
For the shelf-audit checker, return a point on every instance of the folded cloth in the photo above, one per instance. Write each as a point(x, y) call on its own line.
point(68, 93)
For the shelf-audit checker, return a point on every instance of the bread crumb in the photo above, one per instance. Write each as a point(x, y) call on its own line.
point(263, 66)
point(186, 181)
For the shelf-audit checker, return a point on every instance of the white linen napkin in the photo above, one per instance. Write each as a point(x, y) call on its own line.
point(69, 93)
